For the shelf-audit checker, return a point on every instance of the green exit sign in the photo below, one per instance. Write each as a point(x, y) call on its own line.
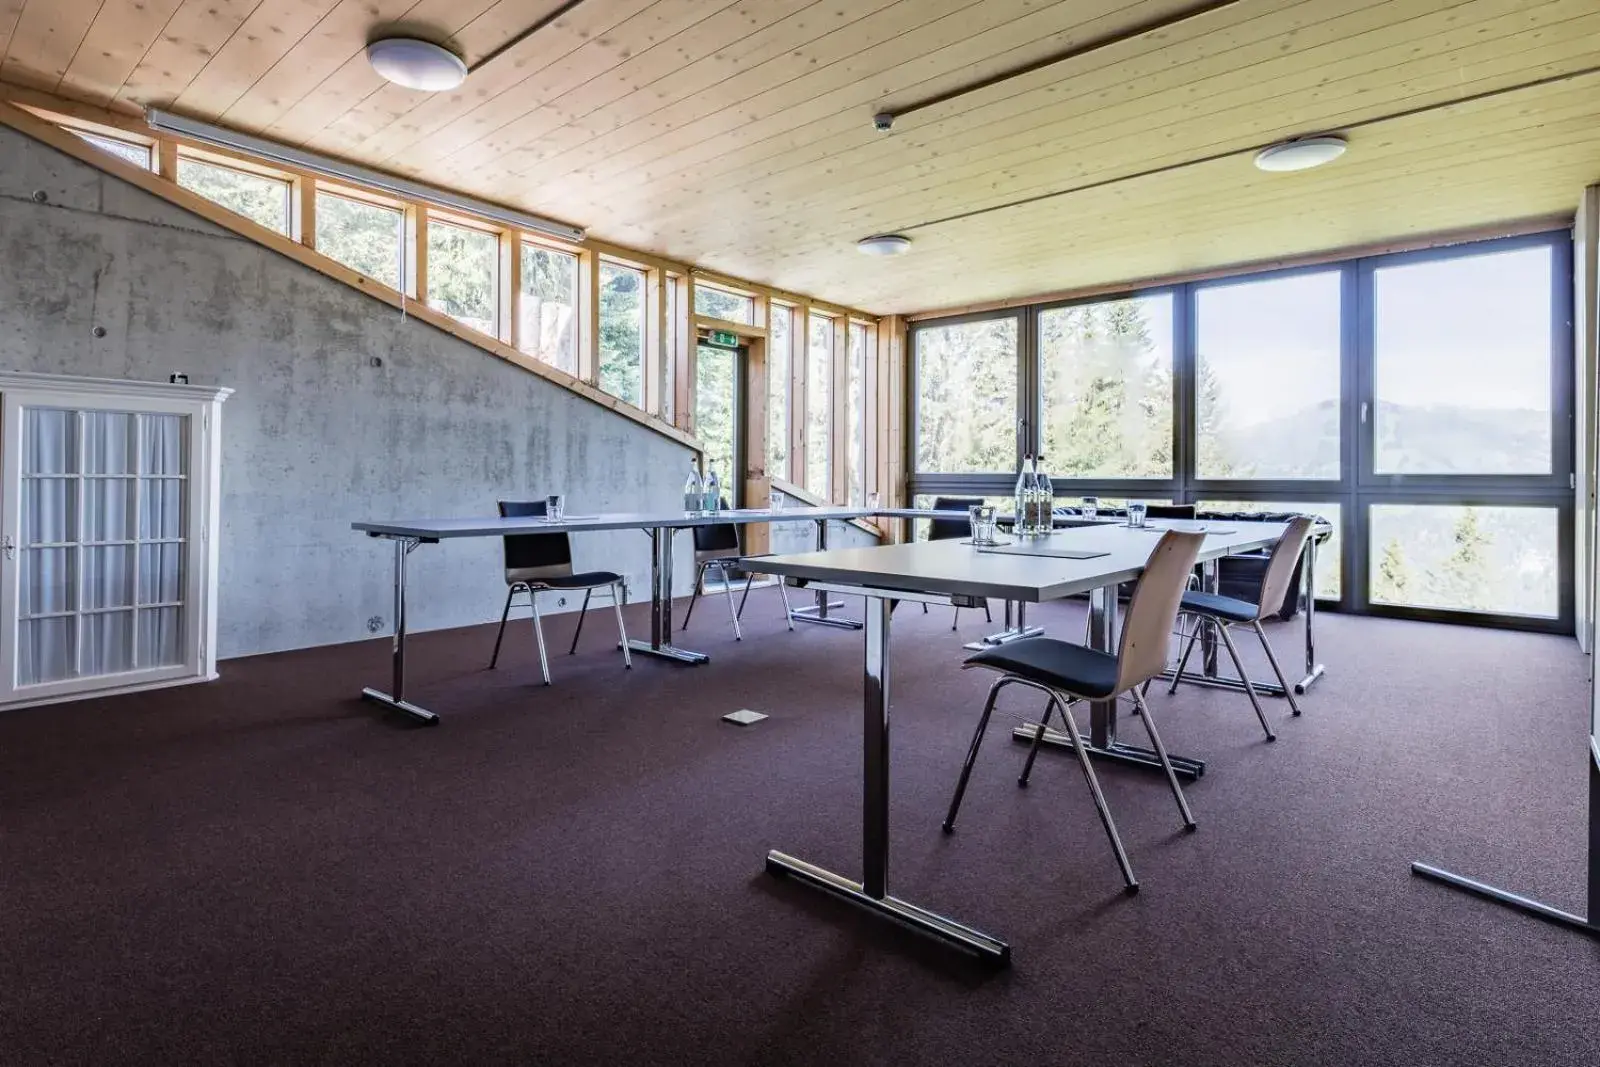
point(723, 339)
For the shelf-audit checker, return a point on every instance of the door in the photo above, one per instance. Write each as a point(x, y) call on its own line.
point(719, 415)
point(97, 589)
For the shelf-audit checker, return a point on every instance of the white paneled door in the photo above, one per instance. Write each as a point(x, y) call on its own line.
point(108, 537)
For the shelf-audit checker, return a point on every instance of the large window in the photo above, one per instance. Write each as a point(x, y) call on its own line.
point(1106, 382)
point(549, 312)
point(1461, 364)
point(464, 275)
point(257, 197)
point(855, 416)
point(1464, 558)
point(622, 332)
point(819, 406)
point(721, 304)
point(966, 396)
point(716, 422)
point(780, 342)
point(1422, 402)
point(128, 151)
point(1267, 378)
point(364, 237)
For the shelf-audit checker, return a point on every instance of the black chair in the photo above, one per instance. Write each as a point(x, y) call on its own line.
point(540, 563)
point(1240, 576)
point(721, 545)
point(1221, 613)
point(1170, 511)
point(954, 530)
point(1067, 673)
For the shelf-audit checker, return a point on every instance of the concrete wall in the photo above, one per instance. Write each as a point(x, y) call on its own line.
point(316, 435)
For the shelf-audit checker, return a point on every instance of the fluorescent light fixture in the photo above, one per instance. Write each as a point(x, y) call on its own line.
point(884, 244)
point(356, 175)
point(1302, 153)
point(416, 64)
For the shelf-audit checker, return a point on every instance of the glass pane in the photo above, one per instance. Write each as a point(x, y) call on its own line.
point(160, 508)
point(622, 332)
point(819, 407)
point(855, 413)
point(966, 382)
point(107, 643)
point(1267, 378)
point(365, 237)
point(163, 438)
point(160, 637)
point(721, 304)
point(258, 198)
point(715, 397)
point(46, 650)
point(1330, 564)
point(778, 375)
point(108, 577)
point(47, 581)
point(108, 509)
point(128, 151)
point(463, 275)
point(108, 442)
point(549, 315)
point(160, 573)
point(1107, 388)
point(1462, 364)
point(51, 440)
point(49, 510)
point(1498, 559)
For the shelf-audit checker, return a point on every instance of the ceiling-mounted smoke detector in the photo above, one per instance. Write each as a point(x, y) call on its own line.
point(1301, 154)
point(416, 64)
point(884, 244)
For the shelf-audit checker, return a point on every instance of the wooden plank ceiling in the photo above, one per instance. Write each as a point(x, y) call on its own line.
point(738, 135)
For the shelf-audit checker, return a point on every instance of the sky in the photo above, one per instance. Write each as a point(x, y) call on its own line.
point(1465, 332)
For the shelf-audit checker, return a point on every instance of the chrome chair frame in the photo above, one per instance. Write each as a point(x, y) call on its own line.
point(1141, 655)
point(716, 555)
point(543, 578)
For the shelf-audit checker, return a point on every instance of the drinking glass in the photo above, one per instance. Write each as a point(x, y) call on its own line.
point(554, 507)
point(1136, 514)
point(1091, 507)
point(981, 516)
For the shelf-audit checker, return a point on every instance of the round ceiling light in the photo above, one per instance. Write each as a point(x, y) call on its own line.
point(416, 64)
point(1301, 154)
point(884, 244)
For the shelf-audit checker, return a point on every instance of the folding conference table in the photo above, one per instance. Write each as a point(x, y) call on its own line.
point(949, 572)
point(660, 527)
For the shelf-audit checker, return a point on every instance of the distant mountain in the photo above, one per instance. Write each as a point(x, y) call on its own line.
point(1413, 439)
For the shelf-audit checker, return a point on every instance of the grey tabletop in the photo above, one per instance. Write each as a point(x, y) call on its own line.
point(954, 568)
point(493, 526)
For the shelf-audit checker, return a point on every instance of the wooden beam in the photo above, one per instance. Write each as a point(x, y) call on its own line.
point(411, 303)
point(683, 358)
point(745, 331)
point(839, 414)
point(303, 211)
point(510, 289)
point(589, 317)
point(657, 341)
point(416, 279)
point(167, 160)
point(753, 394)
point(892, 376)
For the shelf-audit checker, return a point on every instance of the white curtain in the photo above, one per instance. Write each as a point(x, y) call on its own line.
point(113, 581)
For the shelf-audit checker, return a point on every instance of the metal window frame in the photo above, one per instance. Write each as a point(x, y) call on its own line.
point(1357, 488)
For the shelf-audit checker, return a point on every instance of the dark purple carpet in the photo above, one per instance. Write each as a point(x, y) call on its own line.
point(266, 870)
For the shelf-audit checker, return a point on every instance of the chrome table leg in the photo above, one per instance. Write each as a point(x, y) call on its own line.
point(872, 892)
point(818, 613)
point(397, 699)
point(1314, 670)
point(1102, 743)
point(660, 644)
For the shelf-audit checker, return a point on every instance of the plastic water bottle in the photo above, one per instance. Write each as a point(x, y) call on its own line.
point(1046, 495)
point(713, 491)
point(694, 494)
